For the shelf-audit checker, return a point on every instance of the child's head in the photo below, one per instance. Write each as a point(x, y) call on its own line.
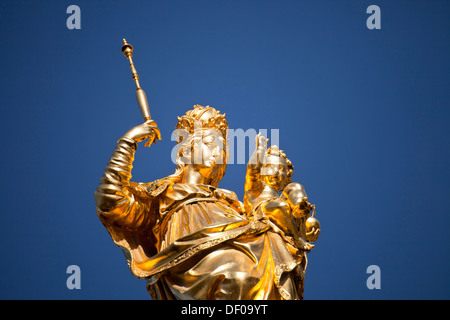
point(277, 169)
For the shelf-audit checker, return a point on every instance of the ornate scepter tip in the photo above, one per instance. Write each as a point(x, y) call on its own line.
point(127, 49)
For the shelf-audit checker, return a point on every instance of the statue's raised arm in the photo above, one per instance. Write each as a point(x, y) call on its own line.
point(117, 198)
point(253, 184)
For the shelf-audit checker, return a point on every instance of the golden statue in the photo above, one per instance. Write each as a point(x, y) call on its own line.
point(191, 239)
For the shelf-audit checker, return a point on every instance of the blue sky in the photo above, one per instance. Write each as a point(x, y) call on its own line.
point(363, 115)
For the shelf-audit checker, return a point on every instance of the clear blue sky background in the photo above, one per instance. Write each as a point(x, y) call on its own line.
point(363, 114)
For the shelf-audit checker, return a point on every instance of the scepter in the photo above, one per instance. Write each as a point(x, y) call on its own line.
point(127, 50)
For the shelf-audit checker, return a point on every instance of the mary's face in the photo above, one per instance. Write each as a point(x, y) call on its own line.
point(208, 153)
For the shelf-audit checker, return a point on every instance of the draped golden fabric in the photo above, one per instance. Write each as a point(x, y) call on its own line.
point(200, 245)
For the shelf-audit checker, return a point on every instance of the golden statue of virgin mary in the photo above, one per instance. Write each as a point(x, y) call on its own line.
point(189, 238)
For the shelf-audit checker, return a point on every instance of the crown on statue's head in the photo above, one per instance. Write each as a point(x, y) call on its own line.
point(203, 118)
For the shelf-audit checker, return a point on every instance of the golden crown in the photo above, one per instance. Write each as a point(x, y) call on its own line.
point(201, 117)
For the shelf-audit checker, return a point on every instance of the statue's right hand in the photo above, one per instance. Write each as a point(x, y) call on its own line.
point(148, 130)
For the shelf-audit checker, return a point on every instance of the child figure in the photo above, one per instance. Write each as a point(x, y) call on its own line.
point(268, 173)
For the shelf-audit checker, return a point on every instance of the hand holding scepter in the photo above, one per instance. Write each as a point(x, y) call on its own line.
point(149, 129)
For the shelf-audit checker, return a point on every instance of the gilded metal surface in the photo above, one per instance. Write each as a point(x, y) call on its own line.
point(193, 240)
point(269, 172)
point(127, 50)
